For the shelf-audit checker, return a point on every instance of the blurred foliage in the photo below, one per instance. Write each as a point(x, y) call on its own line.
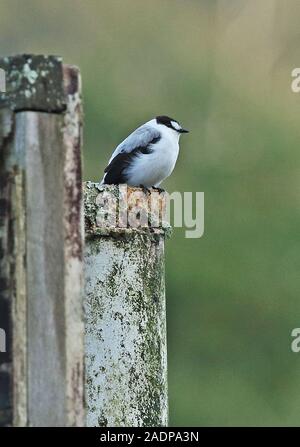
point(224, 70)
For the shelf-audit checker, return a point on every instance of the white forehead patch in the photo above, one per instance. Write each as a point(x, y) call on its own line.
point(175, 125)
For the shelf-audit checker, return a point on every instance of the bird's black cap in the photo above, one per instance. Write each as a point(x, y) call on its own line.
point(171, 123)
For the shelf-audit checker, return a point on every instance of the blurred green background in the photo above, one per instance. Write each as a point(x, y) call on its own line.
point(223, 69)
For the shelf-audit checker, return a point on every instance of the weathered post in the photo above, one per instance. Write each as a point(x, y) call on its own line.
point(41, 243)
point(125, 313)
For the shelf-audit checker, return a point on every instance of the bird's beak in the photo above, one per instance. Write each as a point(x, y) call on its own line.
point(183, 131)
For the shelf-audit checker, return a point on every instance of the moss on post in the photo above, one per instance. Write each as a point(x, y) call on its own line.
point(126, 352)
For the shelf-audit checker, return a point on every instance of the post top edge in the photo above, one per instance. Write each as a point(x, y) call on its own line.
point(33, 82)
point(114, 210)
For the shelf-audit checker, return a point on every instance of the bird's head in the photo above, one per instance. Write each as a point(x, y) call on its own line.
point(171, 124)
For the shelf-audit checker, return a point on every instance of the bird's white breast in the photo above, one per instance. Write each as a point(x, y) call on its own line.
point(151, 169)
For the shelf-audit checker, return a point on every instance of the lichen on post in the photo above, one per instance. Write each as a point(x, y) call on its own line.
point(125, 312)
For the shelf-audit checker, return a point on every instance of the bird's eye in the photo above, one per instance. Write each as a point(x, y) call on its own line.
point(175, 125)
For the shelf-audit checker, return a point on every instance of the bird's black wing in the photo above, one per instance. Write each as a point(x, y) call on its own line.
point(115, 172)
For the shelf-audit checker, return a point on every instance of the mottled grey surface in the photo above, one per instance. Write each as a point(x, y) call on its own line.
point(125, 314)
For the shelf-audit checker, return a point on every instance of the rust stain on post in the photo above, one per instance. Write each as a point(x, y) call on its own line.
point(74, 236)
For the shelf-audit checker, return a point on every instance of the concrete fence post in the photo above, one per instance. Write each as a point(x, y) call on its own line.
point(41, 243)
point(125, 314)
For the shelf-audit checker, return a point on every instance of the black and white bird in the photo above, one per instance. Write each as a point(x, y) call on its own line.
point(147, 156)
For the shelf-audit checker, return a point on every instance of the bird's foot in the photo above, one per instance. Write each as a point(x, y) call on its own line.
point(160, 190)
point(145, 189)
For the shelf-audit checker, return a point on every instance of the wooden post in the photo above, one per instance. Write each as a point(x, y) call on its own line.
point(41, 243)
point(125, 314)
